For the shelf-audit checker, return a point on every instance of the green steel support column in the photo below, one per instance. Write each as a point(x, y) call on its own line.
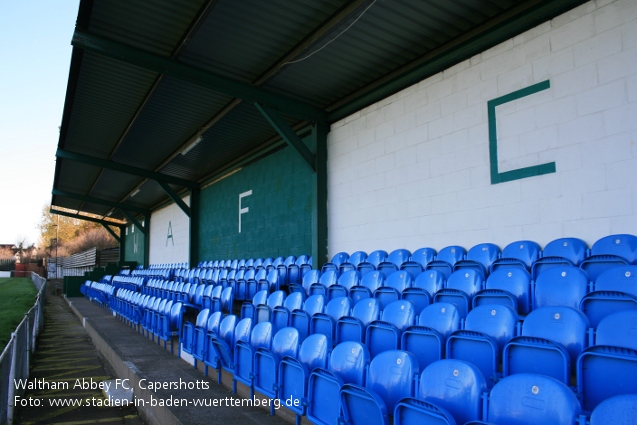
point(175, 197)
point(194, 227)
point(147, 240)
point(122, 244)
point(319, 210)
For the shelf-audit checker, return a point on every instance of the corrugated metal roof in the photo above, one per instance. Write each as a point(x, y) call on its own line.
point(326, 53)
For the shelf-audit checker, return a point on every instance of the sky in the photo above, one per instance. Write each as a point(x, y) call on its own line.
point(35, 41)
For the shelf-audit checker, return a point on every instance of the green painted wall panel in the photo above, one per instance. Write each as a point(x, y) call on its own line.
point(134, 245)
point(279, 220)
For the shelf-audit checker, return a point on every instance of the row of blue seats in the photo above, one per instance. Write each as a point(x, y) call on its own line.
point(260, 357)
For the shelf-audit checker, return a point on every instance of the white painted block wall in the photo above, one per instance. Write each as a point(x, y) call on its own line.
point(164, 249)
point(413, 170)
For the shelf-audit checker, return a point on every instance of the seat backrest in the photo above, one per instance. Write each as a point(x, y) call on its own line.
point(286, 342)
point(214, 321)
point(202, 318)
point(391, 376)
point(561, 285)
point(261, 335)
point(376, 257)
point(248, 274)
point(564, 325)
point(293, 301)
point(367, 310)
point(301, 259)
point(443, 317)
point(618, 410)
point(314, 351)
point(275, 299)
point(398, 256)
point(423, 256)
point(496, 320)
point(227, 328)
point(572, 249)
point(339, 307)
point(525, 251)
point(430, 280)
point(622, 245)
point(314, 304)
point(401, 314)
point(289, 261)
point(260, 297)
point(399, 280)
point(357, 257)
point(309, 278)
point(349, 361)
point(349, 279)
point(242, 331)
point(527, 398)
point(618, 330)
point(373, 280)
point(465, 280)
point(262, 274)
point(451, 254)
point(456, 386)
point(620, 278)
point(216, 291)
point(328, 278)
point(513, 280)
point(484, 253)
point(339, 258)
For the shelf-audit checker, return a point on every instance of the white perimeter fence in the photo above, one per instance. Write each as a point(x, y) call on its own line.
point(14, 361)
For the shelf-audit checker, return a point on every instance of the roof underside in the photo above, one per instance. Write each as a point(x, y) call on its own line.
point(312, 59)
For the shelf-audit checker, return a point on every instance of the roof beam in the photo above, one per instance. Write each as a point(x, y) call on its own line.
point(133, 220)
point(176, 69)
point(105, 163)
point(82, 217)
point(288, 134)
point(109, 230)
point(84, 198)
point(175, 197)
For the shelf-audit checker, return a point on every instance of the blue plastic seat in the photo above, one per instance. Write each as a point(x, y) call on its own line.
point(618, 410)
point(561, 285)
point(283, 266)
point(255, 285)
point(385, 334)
point(294, 274)
point(300, 318)
point(345, 283)
point(427, 339)
point(551, 340)
point(487, 329)
point(206, 296)
point(212, 329)
point(394, 261)
point(418, 261)
point(368, 284)
point(170, 324)
point(423, 288)
point(248, 308)
point(347, 365)
point(507, 286)
point(336, 261)
point(225, 332)
point(281, 314)
point(264, 312)
point(393, 288)
point(450, 392)
point(294, 373)
point(260, 337)
point(227, 300)
point(266, 362)
point(308, 280)
point(325, 323)
point(609, 367)
point(446, 259)
point(390, 378)
point(353, 261)
point(215, 298)
point(528, 399)
point(353, 328)
point(327, 279)
point(221, 349)
point(479, 257)
point(192, 330)
point(608, 252)
point(371, 262)
point(520, 254)
point(461, 287)
point(615, 290)
point(560, 252)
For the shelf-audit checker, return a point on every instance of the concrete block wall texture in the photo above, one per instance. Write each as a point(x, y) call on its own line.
point(278, 219)
point(414, 169)
point(170, 235)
